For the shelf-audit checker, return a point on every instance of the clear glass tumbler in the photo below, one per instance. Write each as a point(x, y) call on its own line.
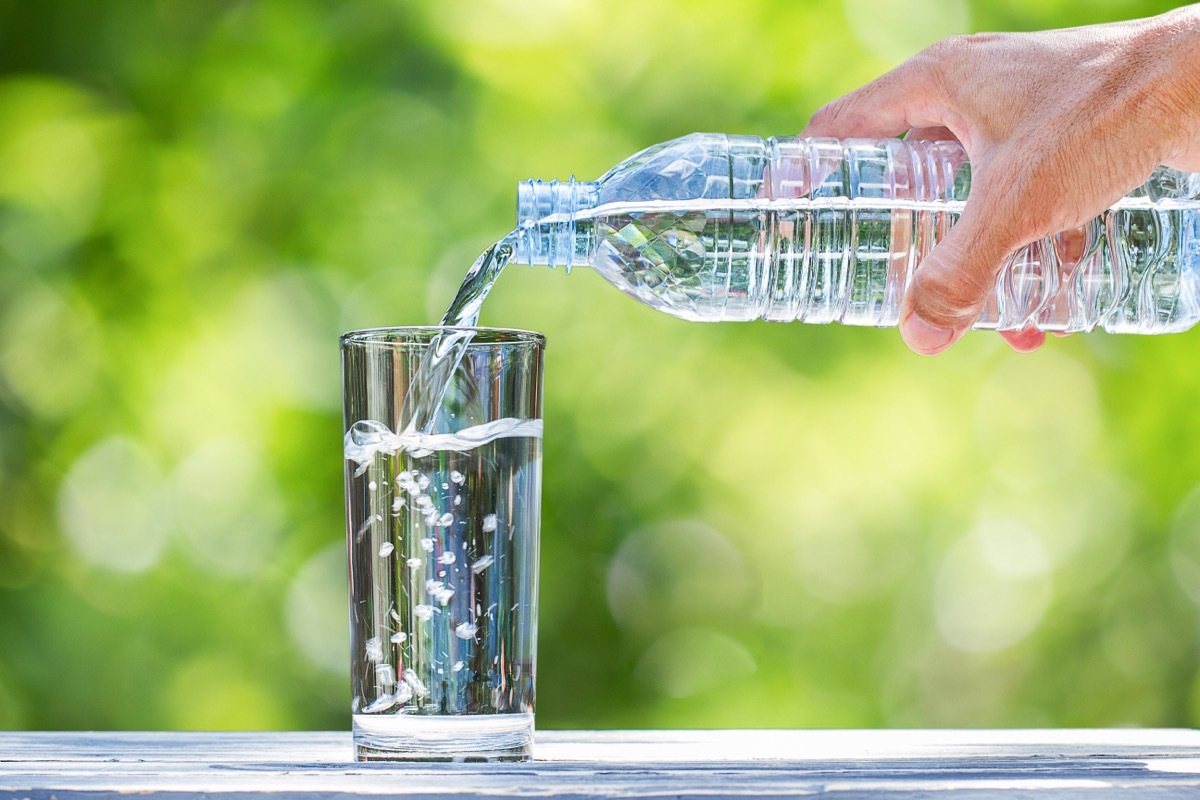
point(443, 448)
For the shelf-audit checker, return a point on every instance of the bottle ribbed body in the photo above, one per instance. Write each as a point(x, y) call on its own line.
point(712, 227)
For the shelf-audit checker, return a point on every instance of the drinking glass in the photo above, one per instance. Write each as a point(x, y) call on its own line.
point(443, 455)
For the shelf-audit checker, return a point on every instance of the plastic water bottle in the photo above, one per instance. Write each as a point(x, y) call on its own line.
point(711, 227)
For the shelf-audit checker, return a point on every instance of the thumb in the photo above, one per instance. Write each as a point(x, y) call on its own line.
point(952, 283)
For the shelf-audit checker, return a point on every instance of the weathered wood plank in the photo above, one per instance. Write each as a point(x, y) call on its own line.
point(845, 765)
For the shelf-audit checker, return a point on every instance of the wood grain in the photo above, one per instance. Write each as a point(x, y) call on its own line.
point(845, 765)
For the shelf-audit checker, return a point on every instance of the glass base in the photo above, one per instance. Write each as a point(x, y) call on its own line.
point(422, 737)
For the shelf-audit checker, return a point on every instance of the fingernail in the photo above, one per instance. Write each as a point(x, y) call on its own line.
point(923, 338)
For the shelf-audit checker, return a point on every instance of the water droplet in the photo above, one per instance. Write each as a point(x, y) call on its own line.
point(489, 523)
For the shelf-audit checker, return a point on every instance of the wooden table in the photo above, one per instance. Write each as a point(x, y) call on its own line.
point(845, 765)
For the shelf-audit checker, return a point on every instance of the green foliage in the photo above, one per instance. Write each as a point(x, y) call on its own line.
point(751, 525)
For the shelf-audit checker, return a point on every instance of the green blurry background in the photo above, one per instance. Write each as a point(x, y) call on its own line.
point(744, 525)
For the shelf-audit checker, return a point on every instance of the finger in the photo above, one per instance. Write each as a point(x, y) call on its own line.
point(908, 97)
point(1024, 341)
point(951, 284)
point(938, 133)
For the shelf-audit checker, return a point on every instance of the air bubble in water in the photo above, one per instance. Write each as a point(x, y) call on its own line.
point(423, 482)
point(386, 549)
point(423, 612)
point(398, 504)
point(458, 665)
point(445, 520)
point(489, 523)
point(457, 477)
point(446, 558)
point(415, 683)
point(458, 499)
point(427, 545)
point(465, 630)
point(372, 486)
point(374, 649)
point(385, 675)
point(481, 564)
point(413, 563)
point(399, 638)
point(384, 702)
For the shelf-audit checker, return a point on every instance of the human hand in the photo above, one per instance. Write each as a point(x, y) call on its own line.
point(1058, 126)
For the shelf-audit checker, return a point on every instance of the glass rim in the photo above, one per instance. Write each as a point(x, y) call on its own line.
point(421, 335)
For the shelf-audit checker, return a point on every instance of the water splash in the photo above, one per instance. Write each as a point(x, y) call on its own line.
point(368, 438)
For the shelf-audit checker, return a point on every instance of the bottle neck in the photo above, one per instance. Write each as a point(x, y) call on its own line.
point(549, 230)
